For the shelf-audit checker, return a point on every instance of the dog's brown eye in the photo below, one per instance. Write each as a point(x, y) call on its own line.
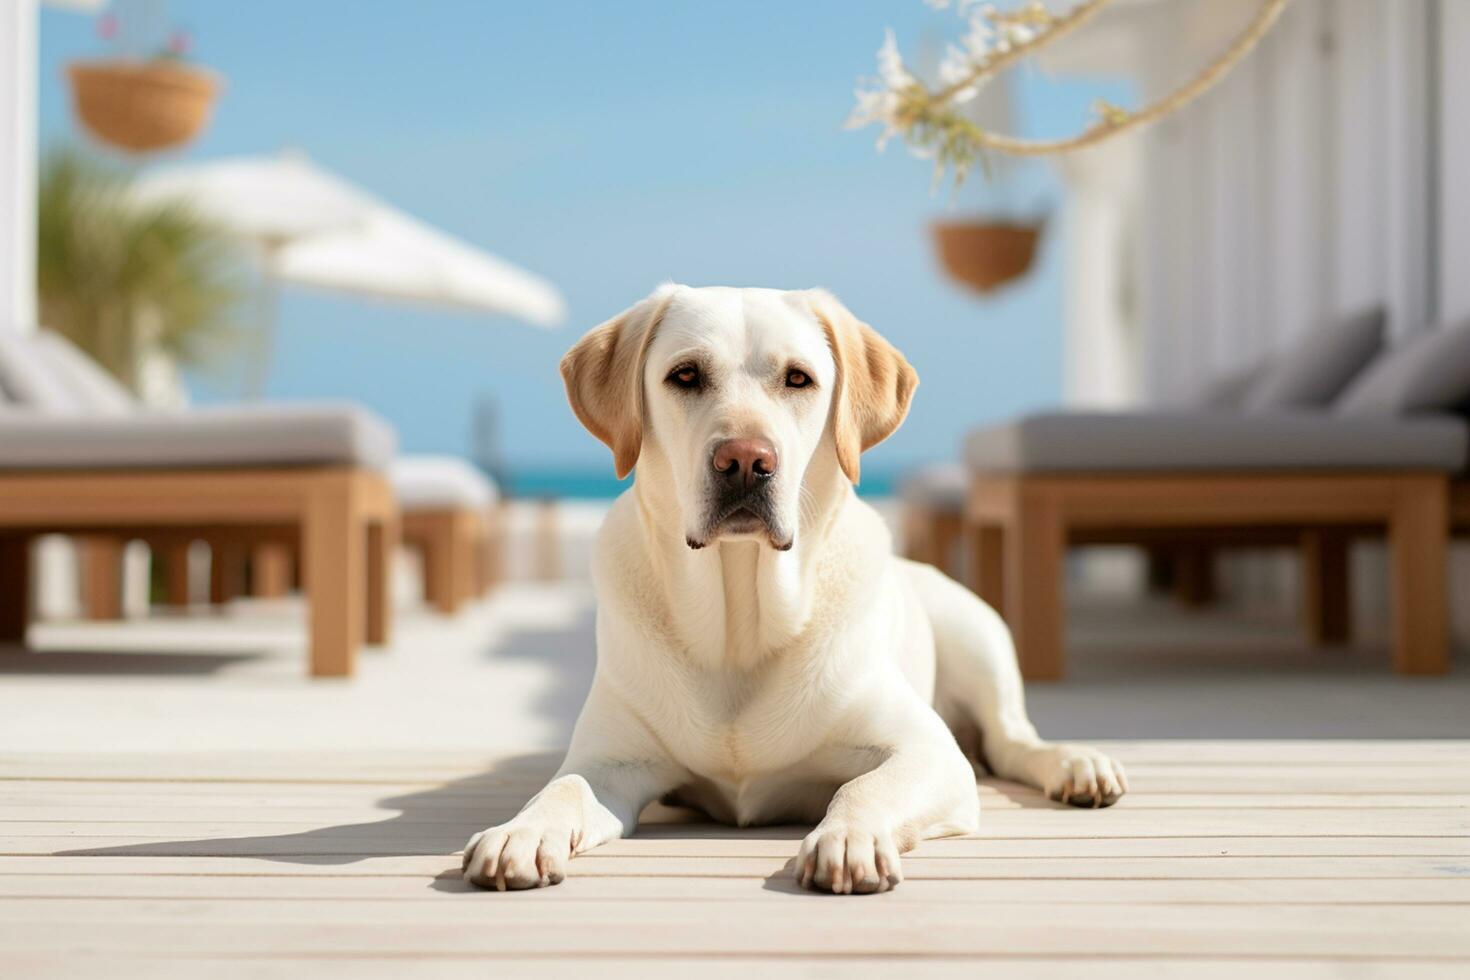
point(797, 379)
point(685, 377)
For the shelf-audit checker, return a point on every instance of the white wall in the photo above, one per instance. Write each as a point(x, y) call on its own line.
point(17, 164)
point(1305, 184)
point(1327, 172)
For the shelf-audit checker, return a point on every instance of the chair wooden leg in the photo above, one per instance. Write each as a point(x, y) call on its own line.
point(334, 544)
point(226, 571)
point(986, 564)
point(382, 546)
point(102, 578)
point(175, 557)
point(548, 543)
point(467, 541)
point(483, 558)
point(1033, 554)
point(1418, 542)
point(918, 534)
point(1194, 575)
point(947, 530)
point(1161, 568)
point(15, 587)
point(1326, 605)
point(497, 526)
point(270, 570)
point(442, 557)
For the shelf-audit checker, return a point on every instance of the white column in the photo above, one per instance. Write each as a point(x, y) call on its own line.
point(1452, 221)
point(18, 165)
point(1101, 350)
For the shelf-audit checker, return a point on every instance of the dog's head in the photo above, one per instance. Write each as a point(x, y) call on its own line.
point(734, 393)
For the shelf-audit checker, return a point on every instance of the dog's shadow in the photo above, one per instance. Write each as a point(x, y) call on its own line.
point(437, 822)
point(432, 822)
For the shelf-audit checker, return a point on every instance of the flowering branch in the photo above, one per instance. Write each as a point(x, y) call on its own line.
point(930, 120)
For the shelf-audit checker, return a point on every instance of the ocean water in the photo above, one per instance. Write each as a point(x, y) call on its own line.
point(575, 484)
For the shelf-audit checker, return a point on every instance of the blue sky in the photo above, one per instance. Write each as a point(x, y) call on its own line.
point(609, 147)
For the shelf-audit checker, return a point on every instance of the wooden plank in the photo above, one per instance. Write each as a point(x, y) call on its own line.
point(1022, 823)
point(161, 497)
point(577, 890)
point(1434, 922)
point(965, 867)
point(1147, 784)
point(422, 766)
point(434, 965)
point(864, 926)
point(160, 810)
point(1276, 752)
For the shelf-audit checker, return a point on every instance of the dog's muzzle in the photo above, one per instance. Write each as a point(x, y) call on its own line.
point(742, 472)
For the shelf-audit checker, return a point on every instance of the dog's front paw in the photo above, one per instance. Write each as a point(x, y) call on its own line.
point(845, 859)
point(517, 855)
point(1081, 776)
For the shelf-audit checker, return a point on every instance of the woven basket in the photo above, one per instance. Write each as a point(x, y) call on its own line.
point(986, 255)
point(141, 106)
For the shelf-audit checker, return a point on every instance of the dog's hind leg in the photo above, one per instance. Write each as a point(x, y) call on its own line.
point(978, 685)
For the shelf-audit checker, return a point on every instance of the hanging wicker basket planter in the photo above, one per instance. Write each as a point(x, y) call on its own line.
point(986, 255)
point(144, 106)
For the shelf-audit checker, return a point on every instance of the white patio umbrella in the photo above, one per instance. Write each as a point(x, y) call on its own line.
point(268, 200)
point(394, 257)
point(312, 228)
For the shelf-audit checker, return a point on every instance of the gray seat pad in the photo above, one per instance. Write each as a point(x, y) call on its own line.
point(1163, 441)
point(255, 435)
point(941, 486)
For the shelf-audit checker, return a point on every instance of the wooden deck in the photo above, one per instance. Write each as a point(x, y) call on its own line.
point(1229, 858)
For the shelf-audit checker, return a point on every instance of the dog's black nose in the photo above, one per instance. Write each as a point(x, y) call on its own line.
point(745, 461)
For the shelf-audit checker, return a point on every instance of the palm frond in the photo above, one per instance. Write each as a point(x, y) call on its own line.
point(124, 279)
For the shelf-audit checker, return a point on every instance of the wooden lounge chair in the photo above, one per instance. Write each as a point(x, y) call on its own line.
point(76, 460)
point(311, 475)
point(447, 505)
point(933, 501)
point(1046, 482)
point(451, 516)
point(1327, 442)
point(448, 512)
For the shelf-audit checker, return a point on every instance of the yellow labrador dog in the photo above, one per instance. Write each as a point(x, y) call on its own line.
point(761, 654)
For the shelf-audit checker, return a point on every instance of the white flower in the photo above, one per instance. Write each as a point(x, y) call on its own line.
point(1018, 34)
point(979, 39)
point(891, 70)
point(954, 68)
point(875, 106)
point(882, 103)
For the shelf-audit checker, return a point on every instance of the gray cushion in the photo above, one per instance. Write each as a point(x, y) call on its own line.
point(28, 381)
point(92, 389)
point(941, 486)
point(1427, 373)
point(1229, 390)
point(263, 435)
point(1315, 370)
point(1165, 441)
point(439, 482)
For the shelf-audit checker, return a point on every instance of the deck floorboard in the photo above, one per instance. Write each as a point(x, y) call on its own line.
point(1277, 858)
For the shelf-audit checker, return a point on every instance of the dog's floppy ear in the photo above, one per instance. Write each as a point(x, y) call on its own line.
point(604, 377)
point(874, 382)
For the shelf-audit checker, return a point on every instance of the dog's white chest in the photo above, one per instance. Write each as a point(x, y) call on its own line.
point(757, 755)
